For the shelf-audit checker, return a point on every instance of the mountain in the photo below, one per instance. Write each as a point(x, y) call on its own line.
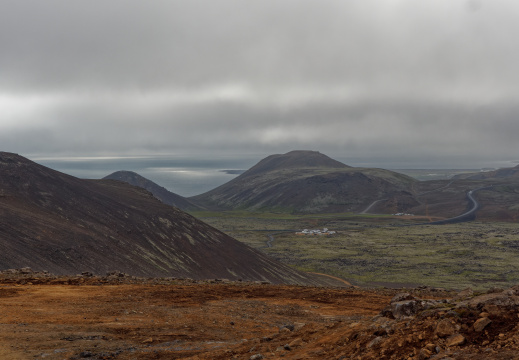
point(308, 182)
point(55, 222)
point(297, 159)
point(161, 193)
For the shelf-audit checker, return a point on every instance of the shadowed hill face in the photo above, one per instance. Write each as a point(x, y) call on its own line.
point(161, 193)
point(309, 182)
point(56, 222)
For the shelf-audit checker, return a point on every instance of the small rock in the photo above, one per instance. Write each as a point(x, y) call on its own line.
point(480, 324)
point(376, 341)
point(407, 308)
point(455, 340)
point(289, 327)
point(381, 332)
point(298, 326)
point(468, 292)
point(26, 270)
point(402, 297)
point(495, 290)
point(430, 347)
point(445, 328)
point(424, 354)
point(148, 341)
point(296, 343)
point(256, 357)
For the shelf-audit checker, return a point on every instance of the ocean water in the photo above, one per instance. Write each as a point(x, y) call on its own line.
point(194, 175)
point(186, 176)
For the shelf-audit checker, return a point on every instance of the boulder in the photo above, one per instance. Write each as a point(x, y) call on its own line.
point(464, 294)
point(504, 301)
point(408, 308)
point(445, 328)
point(455, 340)
point(402, 297)
point(480, 324)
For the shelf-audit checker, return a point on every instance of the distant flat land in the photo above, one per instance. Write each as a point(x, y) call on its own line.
point(434, 174)
point(378, 251)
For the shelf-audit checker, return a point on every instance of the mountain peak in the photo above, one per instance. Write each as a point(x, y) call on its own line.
point(296, 159)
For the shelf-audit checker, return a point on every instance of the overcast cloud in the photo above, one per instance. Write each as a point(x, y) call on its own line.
point(432, 82)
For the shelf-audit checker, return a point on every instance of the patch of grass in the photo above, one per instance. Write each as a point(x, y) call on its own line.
point(368, 251)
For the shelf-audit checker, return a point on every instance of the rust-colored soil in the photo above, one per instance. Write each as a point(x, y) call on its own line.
point(142, 321)
point(96, 318)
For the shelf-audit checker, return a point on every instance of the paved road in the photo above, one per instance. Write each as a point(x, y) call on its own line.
point(466, 216)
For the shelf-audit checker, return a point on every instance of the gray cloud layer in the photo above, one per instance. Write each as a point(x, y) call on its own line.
point(432, 82)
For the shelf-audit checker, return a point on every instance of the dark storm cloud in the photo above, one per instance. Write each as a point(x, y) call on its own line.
point(410, 79)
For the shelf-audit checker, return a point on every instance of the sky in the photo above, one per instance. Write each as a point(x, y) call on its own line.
point(429, 83)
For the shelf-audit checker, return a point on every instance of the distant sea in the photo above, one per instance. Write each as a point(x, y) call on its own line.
point(194, 175)
point(182, 175)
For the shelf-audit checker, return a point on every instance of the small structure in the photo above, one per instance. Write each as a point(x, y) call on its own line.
point(316, 232)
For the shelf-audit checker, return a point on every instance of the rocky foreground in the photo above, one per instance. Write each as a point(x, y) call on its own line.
point(122, 317)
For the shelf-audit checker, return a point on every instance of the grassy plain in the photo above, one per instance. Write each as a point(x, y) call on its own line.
point(379, 251)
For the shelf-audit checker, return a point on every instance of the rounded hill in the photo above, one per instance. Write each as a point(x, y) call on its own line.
point(297, 159)
point(308, 182)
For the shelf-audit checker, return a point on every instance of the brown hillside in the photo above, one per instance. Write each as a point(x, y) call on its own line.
point(55, 222)
point(119, 318)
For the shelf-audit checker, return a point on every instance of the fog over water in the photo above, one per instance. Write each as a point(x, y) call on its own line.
point(183, 176)
point(189, 176)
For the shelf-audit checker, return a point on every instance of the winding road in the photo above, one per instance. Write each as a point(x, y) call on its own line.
point(466, 216)
point(469, 215)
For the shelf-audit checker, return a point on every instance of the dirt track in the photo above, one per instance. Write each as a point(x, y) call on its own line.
point(212, 321)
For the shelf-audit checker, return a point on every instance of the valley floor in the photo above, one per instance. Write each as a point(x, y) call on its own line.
point(385, 250)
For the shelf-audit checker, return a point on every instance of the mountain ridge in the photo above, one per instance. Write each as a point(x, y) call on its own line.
point(56, 222)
